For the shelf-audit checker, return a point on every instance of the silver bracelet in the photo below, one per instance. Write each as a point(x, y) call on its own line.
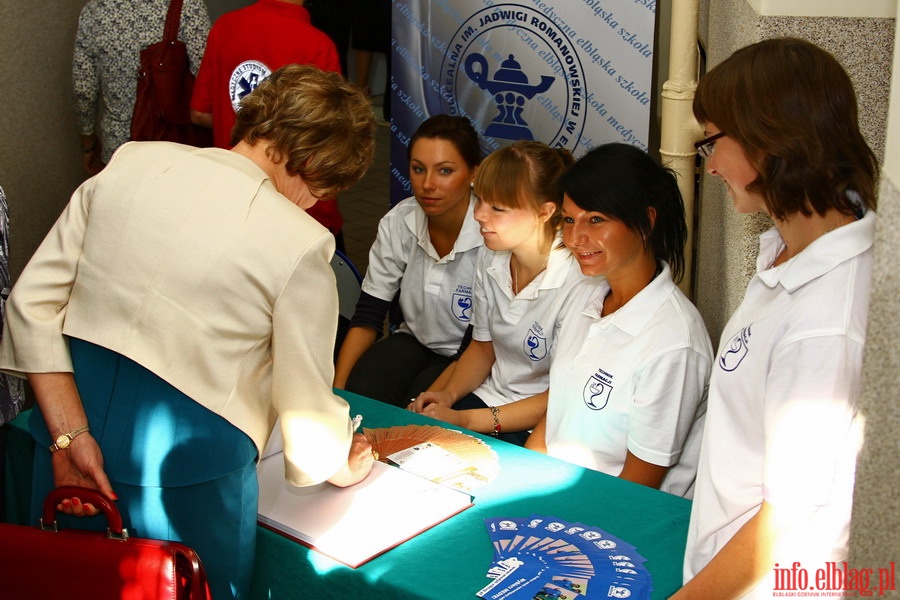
point(495, 413)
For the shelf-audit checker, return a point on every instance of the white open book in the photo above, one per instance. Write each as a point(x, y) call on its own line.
point(355, 524)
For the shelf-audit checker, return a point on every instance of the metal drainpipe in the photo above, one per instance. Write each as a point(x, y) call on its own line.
point(679, 129)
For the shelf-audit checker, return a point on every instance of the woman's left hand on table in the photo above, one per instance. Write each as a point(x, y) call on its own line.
point(443, 413)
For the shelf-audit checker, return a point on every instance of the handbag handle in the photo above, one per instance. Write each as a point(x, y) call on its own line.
point(173, 19)
point(86, 495)
point(199, 589)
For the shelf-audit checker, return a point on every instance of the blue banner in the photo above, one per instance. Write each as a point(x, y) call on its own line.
point(573, 74)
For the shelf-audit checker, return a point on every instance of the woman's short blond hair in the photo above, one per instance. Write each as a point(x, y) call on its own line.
point(317, 122)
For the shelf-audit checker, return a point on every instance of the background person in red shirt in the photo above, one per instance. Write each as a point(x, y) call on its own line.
point(243, 48)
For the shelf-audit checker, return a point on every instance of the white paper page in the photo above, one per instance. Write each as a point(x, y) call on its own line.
point(354, 524)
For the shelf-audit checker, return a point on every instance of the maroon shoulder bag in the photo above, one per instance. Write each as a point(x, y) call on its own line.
point(162, 109)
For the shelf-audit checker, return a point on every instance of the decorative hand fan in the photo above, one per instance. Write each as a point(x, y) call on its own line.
point(442, 455)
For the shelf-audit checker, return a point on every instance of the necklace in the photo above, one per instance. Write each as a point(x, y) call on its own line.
point(608, 306)
point(515, 273)
point(840, 222)
point(516, 279)
point(784, 255)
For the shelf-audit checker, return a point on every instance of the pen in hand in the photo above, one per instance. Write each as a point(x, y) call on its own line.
point(357, 421)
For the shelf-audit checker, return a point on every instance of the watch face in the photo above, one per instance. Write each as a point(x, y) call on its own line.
point(62, 441)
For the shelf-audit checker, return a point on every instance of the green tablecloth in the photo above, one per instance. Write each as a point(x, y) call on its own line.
point(449, 560)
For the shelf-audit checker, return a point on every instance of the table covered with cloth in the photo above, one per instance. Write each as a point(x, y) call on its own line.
point(450, 560)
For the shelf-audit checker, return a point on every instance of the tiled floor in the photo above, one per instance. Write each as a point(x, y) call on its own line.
point(364, 204)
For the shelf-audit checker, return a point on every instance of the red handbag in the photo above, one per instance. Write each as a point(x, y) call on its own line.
point(53, 563)
point(162, 108)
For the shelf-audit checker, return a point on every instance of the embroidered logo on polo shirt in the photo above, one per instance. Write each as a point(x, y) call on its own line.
point(597, 390)
point(244, 79)
point(461, 304)
point(534, 345)
point(735, 350)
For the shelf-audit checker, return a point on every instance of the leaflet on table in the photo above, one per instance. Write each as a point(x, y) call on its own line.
point(430, 461)
point(354, 524)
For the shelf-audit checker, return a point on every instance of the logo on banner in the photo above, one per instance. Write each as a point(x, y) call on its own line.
point(511, 90)
point(597, 391)
point(513, 69)
point(244, 79)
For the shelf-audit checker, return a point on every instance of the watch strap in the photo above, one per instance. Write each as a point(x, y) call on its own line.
point(71, 435)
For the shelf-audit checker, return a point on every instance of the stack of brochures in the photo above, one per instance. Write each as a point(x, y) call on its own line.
point(545, 557)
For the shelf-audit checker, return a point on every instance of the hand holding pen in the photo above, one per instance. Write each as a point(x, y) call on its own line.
point(357, 421)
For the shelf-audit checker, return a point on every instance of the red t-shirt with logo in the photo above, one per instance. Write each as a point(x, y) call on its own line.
point(244, 47)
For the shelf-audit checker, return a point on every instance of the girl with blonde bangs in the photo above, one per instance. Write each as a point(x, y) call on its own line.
point(521, 293)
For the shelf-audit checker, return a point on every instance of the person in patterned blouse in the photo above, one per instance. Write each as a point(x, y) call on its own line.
point(12, 389)
point(111, 35)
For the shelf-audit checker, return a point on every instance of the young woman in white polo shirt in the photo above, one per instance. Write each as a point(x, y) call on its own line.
point(776, 474)
point(425, 251)
point(628, 381)
point(522, 287)
point(632, 360)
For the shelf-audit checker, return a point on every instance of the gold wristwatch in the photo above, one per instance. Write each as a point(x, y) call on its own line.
point(63, 441)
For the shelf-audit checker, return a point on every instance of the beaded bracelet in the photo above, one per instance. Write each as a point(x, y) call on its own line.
point(494, 411)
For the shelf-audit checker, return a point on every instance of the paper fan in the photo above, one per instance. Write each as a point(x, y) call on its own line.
point(443, 455)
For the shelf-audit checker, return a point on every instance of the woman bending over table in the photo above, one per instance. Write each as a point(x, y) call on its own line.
point(425, 251)
point(522, 285)
point(776, 475)
point(632, 360)
point(182, 302)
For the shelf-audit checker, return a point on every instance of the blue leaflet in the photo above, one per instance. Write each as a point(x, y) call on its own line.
point(546, 558)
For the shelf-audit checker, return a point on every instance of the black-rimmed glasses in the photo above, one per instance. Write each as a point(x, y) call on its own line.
point(706, 146)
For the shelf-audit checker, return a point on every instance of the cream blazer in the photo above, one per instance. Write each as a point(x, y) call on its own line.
point(190, 263)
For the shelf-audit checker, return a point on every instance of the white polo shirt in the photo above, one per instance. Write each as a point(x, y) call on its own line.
point(436, 293)
point(782, 424)
point(523, 328)
point(632, 380)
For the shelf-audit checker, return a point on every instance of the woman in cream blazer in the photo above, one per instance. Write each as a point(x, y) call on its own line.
point(181, 304)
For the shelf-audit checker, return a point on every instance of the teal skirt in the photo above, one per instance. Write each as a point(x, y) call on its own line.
point(181, 472)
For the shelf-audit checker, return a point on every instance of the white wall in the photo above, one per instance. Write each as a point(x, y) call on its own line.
point(825, 8)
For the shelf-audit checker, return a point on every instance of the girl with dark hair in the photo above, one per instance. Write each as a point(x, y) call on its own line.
point(628, 381)
point(776, 475)
point(426, 252)
point(522, 286)
point(632, 358)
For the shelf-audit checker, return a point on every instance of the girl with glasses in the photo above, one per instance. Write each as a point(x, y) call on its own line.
point(776, 474)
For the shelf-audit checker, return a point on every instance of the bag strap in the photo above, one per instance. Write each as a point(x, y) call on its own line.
point(173, 18)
